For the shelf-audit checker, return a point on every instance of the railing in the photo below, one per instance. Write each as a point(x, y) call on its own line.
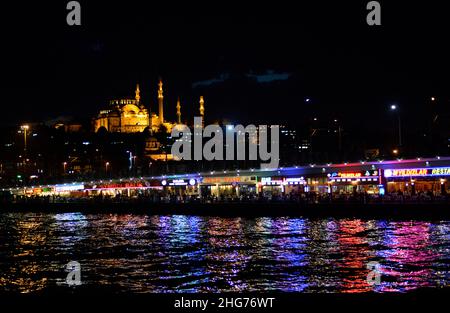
point(305, 199)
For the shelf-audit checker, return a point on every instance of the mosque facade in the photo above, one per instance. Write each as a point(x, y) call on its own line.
point(131, 116)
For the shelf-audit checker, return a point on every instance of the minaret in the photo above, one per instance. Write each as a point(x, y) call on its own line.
point(137, 94)
point(202, 110)
point(160, 101)
point(178, 111)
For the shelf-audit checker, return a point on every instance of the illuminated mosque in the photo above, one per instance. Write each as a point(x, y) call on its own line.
point(131, 116)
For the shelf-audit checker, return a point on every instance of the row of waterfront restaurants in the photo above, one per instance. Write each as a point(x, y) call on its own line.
point(410, 177)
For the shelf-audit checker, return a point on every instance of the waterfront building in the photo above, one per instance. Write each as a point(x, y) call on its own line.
point(230, 185)
point(180, 187)
point(414, 180)
point(428, 177)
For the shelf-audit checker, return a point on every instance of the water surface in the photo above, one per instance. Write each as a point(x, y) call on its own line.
point(149, 254)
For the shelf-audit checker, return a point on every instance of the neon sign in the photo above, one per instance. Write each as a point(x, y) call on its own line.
point(269, 181)
point(353, 174)
point(295, 181)
point(350, 175)
point(179, 182)
point(227, 180)
point(444, 171)
point(65, 188)
point(410, 172)
point(117, 185)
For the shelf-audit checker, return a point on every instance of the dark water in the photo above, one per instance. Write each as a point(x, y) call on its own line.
point(208, 254)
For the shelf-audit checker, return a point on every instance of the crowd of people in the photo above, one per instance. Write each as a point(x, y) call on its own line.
point(301, 198)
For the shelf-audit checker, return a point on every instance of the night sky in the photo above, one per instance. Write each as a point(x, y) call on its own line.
point(253, 64)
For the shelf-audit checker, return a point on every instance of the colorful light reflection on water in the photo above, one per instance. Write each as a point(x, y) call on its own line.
point(131, 253)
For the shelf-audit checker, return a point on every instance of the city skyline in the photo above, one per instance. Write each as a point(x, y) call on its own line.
point(311, 70)
point(224, 156)
point(243, 66)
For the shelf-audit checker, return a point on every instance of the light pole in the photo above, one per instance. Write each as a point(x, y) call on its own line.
point(64, 168)
point(394, 107)
point(106, 168)
point(24, 128)
point(130, 161)
point(434, 127)
point(339, 130)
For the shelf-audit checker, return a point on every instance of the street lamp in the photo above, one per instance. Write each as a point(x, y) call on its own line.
point(64, 167)
point(394, 107)
point(339, 130)
point(25, 129)
point(130, 160)
point(106, 167)
point(150, 168)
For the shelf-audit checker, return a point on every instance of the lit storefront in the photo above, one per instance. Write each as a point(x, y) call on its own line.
point(275, 186)
point(228, 186)
point(295, 185)
point(62, 190)
point(355, 182)
point(125, 188)
point(415, 180)
point(181, 187)
point(317, 184)
point(69, 190)
point(37, 191)
point(381, 177)
point(271, 186)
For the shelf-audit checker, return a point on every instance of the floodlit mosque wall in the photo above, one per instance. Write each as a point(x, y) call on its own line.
point(125, 116)
point(130, 116)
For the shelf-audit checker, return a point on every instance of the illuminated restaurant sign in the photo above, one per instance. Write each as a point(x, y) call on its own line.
point(124, 184)
point(267, 181)
point(66, 188)
point(349, 175)
point(417, 172)
point(363, 176)
point(295, 181)
point(39, 190)
point(120, 185)
point(179, 182)
point(228, 180)
point(353, 174)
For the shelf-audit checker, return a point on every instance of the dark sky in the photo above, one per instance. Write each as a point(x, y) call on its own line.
point(254, 63)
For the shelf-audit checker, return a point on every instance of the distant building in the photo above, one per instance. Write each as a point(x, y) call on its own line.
point(124, 116)
point(69, 127)
point(130, 115)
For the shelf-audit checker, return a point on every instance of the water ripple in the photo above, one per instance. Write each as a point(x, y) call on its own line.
point(209, 254)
